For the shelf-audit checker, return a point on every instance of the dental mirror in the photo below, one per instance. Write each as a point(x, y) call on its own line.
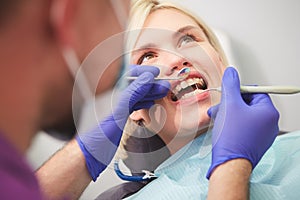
point(181, 75)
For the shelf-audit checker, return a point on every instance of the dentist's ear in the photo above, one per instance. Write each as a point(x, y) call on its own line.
point(62, 19)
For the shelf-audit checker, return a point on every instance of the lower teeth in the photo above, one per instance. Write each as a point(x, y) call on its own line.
point(190, 94)
point(187, 95)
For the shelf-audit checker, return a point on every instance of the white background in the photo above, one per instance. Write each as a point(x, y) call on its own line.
point(265, 41)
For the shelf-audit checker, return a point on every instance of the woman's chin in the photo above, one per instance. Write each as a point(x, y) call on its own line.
point(193, 128)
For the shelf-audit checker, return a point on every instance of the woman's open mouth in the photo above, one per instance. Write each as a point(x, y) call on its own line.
point(189, 87)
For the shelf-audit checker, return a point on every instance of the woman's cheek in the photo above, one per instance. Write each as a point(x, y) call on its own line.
point(157, 116)
point(206, 60)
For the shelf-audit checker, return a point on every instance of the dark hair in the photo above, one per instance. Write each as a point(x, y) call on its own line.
point(7, 7)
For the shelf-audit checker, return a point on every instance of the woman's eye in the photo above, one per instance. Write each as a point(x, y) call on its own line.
point(146, 57)
point(185, 40)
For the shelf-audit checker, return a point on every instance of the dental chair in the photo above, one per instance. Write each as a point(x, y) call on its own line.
point(155, 154)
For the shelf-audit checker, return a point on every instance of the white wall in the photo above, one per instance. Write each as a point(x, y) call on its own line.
point(265, 37)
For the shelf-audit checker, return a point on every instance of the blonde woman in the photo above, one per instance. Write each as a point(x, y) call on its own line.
point(170, 38)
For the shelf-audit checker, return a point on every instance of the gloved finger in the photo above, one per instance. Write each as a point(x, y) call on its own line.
point(231, 85)
point(254, 99)
point(212, 111)
point(154, 97)
point(136, 91)
point(137, 70)
point(158, 90)
point(142, 85)
point(143, 105)
point(264, 103)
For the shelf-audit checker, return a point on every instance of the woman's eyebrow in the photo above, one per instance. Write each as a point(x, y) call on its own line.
point(145, 46)
point(184, 29)
point(176, 34)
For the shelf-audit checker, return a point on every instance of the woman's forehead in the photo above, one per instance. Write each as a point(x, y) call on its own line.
point(154, 37)
point(163, 25)
point(168, 18)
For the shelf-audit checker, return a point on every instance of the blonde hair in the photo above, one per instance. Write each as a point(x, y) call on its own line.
point(141, 9)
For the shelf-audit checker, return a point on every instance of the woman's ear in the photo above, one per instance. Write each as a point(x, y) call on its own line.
point(140, 116)
point(136, 115)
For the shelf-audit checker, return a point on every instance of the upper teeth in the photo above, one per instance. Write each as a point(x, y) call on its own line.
point(186, 83)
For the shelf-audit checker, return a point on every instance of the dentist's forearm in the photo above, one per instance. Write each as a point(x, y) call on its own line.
point(230, 180)
point(65, 175)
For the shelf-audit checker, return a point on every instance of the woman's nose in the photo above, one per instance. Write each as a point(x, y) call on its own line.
point(176, 63)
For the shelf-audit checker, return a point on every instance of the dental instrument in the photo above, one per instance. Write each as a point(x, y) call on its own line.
point(181, 75)
point(263, 89)
point(184, 72)
point(148, 175)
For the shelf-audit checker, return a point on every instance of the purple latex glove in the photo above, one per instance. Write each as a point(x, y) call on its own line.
point(100, 144)
point(245, 126)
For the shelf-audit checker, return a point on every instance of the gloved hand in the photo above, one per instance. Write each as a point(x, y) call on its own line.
point(245, 126)
point(100, 144)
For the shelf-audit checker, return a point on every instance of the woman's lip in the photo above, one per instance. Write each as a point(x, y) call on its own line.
point(204, 95)
point(193, 74)
point(195, 98)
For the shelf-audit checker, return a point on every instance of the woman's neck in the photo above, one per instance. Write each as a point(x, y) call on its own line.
point(177, 144)
point(174, 144)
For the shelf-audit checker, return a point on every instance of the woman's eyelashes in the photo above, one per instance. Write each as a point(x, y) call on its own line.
point(186, 39)
point(146, 57)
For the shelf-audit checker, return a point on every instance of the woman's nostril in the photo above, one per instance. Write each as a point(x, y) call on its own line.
point(174, 69)
point(185, 64)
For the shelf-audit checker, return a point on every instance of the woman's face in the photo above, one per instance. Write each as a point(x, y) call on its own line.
point(171, 40)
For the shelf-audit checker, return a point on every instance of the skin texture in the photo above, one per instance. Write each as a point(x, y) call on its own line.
point(158, 46)
point(230, 180)
point(56, 178)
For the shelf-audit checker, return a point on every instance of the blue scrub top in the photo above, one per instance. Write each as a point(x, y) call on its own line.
point(183, 175)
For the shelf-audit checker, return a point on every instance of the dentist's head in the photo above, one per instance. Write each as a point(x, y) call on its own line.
point(43, 45)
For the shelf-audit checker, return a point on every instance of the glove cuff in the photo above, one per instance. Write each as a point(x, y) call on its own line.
point(93, 165)
point(221, 161)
